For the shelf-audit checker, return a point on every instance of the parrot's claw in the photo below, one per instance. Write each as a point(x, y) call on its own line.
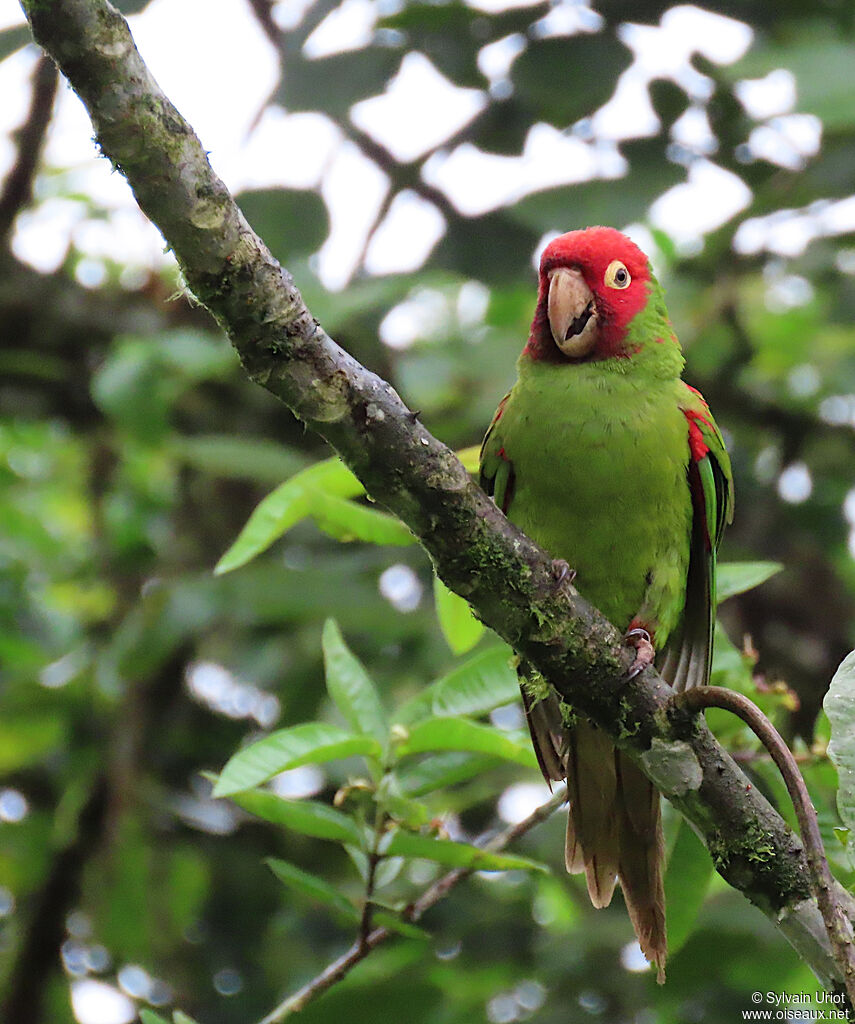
point(562, 572)
point(639, 638)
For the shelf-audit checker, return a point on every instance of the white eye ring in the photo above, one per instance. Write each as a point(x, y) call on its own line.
point(617, 276)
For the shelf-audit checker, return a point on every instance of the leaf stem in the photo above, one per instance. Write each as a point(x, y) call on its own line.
point(837, 925)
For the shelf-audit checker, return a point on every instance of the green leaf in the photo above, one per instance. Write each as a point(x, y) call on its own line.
point(285, 507)
point(733, 578)
point(149, 1017)
point(292, 222)
point(687, 879)
point(456, 855)
point(182, 1018)
point(394, 923)
point(316, 889)
point(347, 521)
point(459, 626)
point(351, 688)
point(482, 683)
point(240, 458)
point(391, 798)
point(839, 705)
point(310, 817)
point(440, 771)
point(310, 743)
point(461, 734)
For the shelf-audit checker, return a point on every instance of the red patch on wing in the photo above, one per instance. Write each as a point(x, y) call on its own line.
point(697, 446)
point(591, 251)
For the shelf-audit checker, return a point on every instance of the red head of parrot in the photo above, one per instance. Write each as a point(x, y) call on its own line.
point(592, 284)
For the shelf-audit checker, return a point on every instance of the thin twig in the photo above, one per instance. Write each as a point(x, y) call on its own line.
point(29, 137)
point(837, 925)
point(341, 967)
point(374, 859)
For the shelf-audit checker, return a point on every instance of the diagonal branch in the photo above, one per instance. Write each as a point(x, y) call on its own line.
point(475, 550)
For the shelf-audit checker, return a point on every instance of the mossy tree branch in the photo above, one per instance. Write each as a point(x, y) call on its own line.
point(476, 551)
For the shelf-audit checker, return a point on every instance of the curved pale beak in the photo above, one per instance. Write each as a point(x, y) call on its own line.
point(572, 313)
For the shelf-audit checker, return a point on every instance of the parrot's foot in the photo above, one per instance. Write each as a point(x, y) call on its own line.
point(562, 572)
point(639, 638)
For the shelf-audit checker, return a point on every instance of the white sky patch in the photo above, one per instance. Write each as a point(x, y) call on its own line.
point(709, 198)
point(218, 105)
point(632, 959)
point(770, 96)
point(42, 234)
point(10, 14)
point(518, 801)
point(270, 155)
point(496, 59)
point(849, 507)
point(497, 6)
point(289, 13)
point(423, 314)
point(349, 175)
point(788, 141)
point(419, 109)
point(567, 19)
point(348, 27)
point(789, 232)
point(95, 1002)
point(795, 484)
point(401, 587)
point(404, 240)
point(477, 182)
point(692, 130)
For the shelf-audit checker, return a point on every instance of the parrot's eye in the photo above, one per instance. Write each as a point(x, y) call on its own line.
point(617, 276)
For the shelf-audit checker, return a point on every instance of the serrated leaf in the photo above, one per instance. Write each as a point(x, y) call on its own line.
point(483, 682)
point(457, 855)
point(310, 743)
point(285, 507)
point(687, 879)
point(458, 624)
point(316, 889)
point(346, 521)
point(733, 578)
point(351, 687)
point(461, 734)
point(839, 705)
point(310, 817)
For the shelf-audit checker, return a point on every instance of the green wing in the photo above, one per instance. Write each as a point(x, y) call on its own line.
point(688, 655)
point(497, 471)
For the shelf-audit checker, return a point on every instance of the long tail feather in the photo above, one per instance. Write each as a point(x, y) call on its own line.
point(641, 856)
point(592, 825)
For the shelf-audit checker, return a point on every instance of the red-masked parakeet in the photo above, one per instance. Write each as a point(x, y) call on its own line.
point(614, 465)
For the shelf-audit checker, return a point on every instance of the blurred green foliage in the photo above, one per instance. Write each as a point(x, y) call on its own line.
point(135, 458)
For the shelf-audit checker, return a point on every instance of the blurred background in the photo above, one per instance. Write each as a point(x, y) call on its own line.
point(407, 162)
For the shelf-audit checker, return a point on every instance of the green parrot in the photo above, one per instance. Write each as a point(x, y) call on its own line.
point(614, 465)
